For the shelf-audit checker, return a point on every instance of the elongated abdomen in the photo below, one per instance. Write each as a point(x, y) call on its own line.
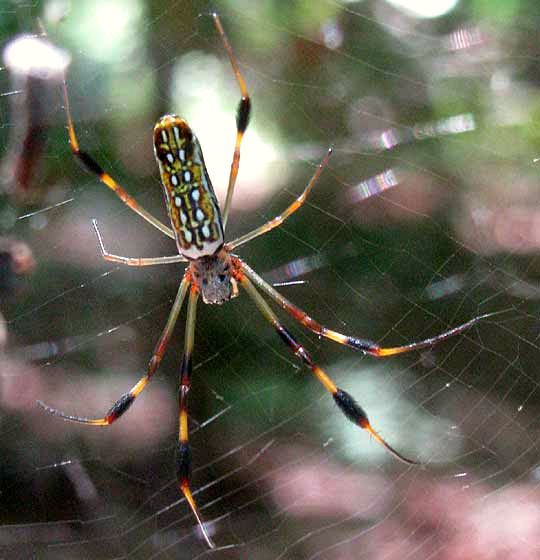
point(191, 202)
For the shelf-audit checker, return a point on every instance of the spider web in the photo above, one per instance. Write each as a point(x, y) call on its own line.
point(425, 217)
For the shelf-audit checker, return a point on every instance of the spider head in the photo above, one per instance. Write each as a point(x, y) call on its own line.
point(213, 276)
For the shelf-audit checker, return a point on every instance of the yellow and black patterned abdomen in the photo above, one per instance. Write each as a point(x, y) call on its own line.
point(191, 202)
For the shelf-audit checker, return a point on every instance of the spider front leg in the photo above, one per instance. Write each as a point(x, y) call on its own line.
point(183, 451)
point(346, 403)
point(92, 166)
point(133, 261)
point(293, 207)
point(242, 118)
point(127, 399)
point(362, 344)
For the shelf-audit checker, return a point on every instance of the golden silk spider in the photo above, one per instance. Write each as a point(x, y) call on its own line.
point(213, 271)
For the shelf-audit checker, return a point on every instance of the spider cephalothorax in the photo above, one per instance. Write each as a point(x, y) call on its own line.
point(213, 276)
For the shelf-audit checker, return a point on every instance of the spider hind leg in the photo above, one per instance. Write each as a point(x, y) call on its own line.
point(183, 450)
point(362, 344)
point(127, 399)
point(350, 408)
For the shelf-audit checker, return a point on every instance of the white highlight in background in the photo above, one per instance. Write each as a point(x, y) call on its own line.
point(205, 93)
point(424, 8)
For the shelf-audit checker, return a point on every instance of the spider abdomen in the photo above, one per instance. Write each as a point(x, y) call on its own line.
point(191, 202)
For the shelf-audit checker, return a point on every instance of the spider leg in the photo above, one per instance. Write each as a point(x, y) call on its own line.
point(346, 403)
point(242, 118)
point(133, 261)
point(183, 451)
point(93, 167)
point(362, 344)
point(278, 220)
point(126, 400)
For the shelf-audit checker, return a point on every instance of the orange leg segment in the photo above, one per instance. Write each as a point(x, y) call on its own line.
point(346, 403)
point(127, 399)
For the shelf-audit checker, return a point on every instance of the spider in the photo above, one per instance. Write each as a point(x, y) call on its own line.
point(214, 272)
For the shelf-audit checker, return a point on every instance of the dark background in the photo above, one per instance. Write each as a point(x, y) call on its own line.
point(281, 472)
